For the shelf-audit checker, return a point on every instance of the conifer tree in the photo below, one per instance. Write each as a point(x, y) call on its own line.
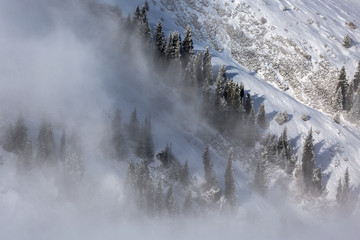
point(137, 17)
point(339, 193)
point(308, 160)
point(62, 152)
point(259, 184)
point(118, 140)
point(261, 117)
point(184, 174)
point(74, 166)
point(248, 104)
point(160, 39)
point(187, 209)
point(143, 176)
point(46, 151)
point(133, 128)
point(346, 187)
point(317, 182)
point(131, 179)
point(341, 90)
point(230, 191)
point(357, 78)
point(20, 136)
point(150, 203)
point(210, 177)
point(8, 142)
point(159, 199)
point(198, 69)
point(207, 68)
point(145, 28)
point(251, 129)
point(171, 203)
point(187, 47)
point(146, 6)
point(148, 140)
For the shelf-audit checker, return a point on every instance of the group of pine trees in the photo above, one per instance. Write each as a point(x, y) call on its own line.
point(347, 94)
point(69, 154)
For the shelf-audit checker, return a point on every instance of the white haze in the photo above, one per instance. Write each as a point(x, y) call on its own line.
point(59, 62)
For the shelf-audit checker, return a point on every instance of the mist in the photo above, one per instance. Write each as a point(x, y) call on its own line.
point(72, 65)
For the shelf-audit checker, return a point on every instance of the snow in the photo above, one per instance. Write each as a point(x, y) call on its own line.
point(36, 209)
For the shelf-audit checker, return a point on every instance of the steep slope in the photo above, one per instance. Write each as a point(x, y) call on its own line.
point(294, 45)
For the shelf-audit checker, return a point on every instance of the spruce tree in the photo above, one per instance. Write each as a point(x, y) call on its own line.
point(131, 180)
point(150, 203)
point(8, 142)
point(187, 47)
point(133, 127)
point(198, 69)
point(146, 6)
point(184, 174)
point(62, 152)
point(160, 39)
point(211, 183)
point(261, 117)
point(20, 136)
point(143, 176)
point(159, 199)
point(171, 203)
point(46, 151)
point(346, 187)
point(137, 17)
point(74, 166)
point(308, 160)
point(317, 182)
point(145, 27)
point(339, 193)
point(341, 90)
point(259, 184)
point(230, 191)
point(187, 209)
point(207, 68)
point(248, 104)
point(148, 140)
point(357, 78)
point(117, 138)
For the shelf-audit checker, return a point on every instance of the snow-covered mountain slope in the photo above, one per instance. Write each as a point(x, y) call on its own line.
point(80, 86)
point(295, 45)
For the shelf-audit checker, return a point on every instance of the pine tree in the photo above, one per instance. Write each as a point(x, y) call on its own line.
point(150, 203)
point(133, 128)
point(354, 113)
point(317, 182)
point(284, 150)
point(131, 180)
point(159, 199)
point(347, 41)
point(349, 97)
point(160, 39)
point(346, 187)
point(74, 166)
point(198, 69)
point(339, 193)
point(146, 6)
point(248, 104)
point(207, 68)
point(187, 209)
point(184, 174)
point(251, 129)
point(145, 27)
point(143, 176)
point(20, 137)
point(261, 117)
point(148, 140)
point(357, 78)
point(46, 144)
point(259, 184)
point(137, 17)
point(341, 90)
point(8, 142)
point(308, 160)
point(230, 191)
point(62, 152)
point(210, 177)
point(187, 47)
point(171, 203)
point(118, 140)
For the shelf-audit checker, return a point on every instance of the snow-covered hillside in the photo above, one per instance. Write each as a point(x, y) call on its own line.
point(295, 45)
point(71, 70)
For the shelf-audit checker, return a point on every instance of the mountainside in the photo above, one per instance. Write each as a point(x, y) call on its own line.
point(96, 126)
point(294, 45)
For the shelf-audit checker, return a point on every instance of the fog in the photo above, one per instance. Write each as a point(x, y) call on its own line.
point(65, 62)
